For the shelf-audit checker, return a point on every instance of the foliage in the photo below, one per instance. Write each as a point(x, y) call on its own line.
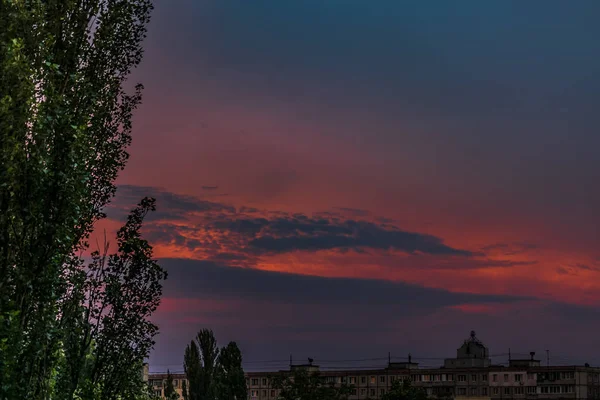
point(404, 390)
point(302, 384)
point(106, 318)
point(192, 365)
point(230, 374)
point(213, 373)
point(170, 393)
point(65, 125)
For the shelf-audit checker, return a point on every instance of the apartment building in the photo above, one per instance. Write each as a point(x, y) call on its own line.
point(158, 384)
point(469, 376)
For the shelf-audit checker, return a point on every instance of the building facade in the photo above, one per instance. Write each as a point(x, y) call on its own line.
point(469, 376)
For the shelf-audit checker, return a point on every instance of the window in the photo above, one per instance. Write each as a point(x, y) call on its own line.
point(264, 393)
point(462, 391)
point(518, 377)
point(496, 391)
point(158, 393)
point(272, 393)
point(484, 377)
point(505, 377)
point(372, 392)
point(382, 379)
point(530, 376)
point(254, 393)
point(352, 380)
point(568, 375)
point(264, 381)
point(544, 389)
point(175, 382)
point(554, 389)
point(495, 378)
point(530, 389)
point(473, 391)
point(254, 381)
point(450, 377)
point(381, 392)
point(484, 391)
point(519, 390)
point(507, 390)
point(474, 378)
point(462, 378)
point(363, 379)
point(426, 378)
point(363, 392)
point(392, 379)
point(373, 379)
point(344, 379)
point(353, 391)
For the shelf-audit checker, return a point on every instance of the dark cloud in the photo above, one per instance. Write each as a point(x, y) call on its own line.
point(299, 232)
point(214, 231)
point(201, 278)
point(169, 205)
point(587, 267)
point(320, 235)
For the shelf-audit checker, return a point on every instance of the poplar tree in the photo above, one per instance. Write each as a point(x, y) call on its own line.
point(231, 382)
point(65, 125)
point(213, 373)
point(170, 393)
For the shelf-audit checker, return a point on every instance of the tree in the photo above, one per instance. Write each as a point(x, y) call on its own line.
point(200, 365)
point(106, 317)
point(404, 390)
point(65, 125)
point(192, 366)
point(230, 374)
point(213, 373)
point(170, 393)
point(302, 384)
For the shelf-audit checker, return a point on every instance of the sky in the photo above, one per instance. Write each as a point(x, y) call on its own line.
point(343, 179)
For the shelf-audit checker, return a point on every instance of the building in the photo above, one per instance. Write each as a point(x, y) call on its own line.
point(158, 384)
point(469, 376)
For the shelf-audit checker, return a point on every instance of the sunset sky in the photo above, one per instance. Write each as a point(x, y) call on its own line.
point(340, 179)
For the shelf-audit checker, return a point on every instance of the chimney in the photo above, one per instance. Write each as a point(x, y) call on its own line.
point(532, 354)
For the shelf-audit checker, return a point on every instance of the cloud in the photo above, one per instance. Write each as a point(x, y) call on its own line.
point(299, 232)
point(328, 318)
point(212, 230)
point(190, 278)
point(210, 187)
point(169, 205)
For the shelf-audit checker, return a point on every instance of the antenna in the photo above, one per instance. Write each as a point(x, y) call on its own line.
point(290, 361)
point(548, 358)
point(509, 354)
point(389, 357)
